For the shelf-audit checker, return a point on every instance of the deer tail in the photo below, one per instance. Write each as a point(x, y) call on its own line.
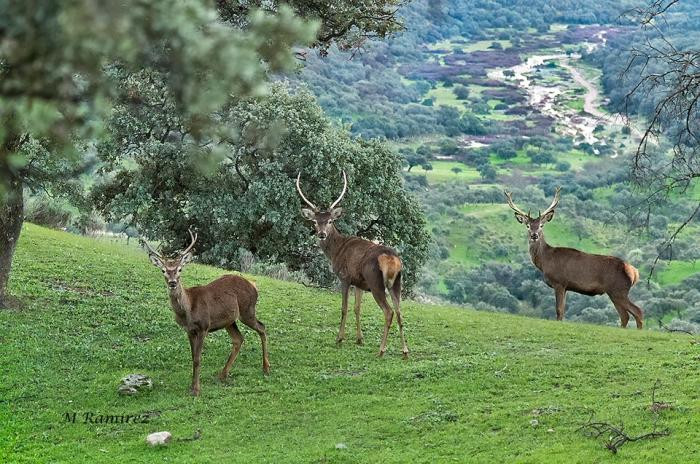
point(632, 273)
point(390, 266)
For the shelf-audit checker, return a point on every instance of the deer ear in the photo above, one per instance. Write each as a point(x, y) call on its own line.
point(521, 219)
point(336, 213)
point(308, 214)
point(185, 259)
point(548, 217)
point(155, 260)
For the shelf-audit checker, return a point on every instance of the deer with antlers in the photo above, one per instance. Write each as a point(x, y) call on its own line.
point(360, 263)
point(207, 308)
point(567, 269)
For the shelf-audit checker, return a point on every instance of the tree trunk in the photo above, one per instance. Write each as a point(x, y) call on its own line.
point(11, 211)
point(11, 218)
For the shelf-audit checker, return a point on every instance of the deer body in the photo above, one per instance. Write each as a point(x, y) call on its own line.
point(208, 308)
point(360, 263)
point(568, 269)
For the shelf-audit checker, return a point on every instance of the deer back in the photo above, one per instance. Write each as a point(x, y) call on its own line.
point(221, 302)
point(586, 273)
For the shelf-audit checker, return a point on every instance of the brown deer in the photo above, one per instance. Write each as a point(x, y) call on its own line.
point(567, 269)
point(360, 263)
point(207, 308)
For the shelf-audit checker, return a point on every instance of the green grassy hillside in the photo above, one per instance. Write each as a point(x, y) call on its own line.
point(95, 311)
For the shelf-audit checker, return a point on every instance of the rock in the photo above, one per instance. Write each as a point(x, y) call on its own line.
point(550, 430)
point(341, 446)
point(534, 422)
point(159, 438)
point(132, 384)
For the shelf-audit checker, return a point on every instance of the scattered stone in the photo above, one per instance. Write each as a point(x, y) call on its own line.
point(132, 384)
point(534, 422)
point(341, 446)
point(550, 430)
point(159, 438)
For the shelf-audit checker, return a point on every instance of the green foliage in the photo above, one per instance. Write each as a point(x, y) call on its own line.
point(249, 200)
point(96, 312)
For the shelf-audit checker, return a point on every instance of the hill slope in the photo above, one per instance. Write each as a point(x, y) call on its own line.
point(94, 311)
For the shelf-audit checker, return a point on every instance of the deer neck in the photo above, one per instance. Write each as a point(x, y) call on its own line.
point(332, 244)
point(538, 251)
point(180, 301)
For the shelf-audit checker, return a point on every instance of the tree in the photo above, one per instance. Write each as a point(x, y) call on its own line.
point(53, 88)
point(456, 170)
point(487, 172)
point(664, 69)
point(461, 91)
point(249, 200)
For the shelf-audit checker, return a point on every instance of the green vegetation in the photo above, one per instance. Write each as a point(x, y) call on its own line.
point(94, 311)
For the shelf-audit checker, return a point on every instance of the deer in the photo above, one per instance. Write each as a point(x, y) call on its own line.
point(568, 269)
point(208, 308)
point(358, 263)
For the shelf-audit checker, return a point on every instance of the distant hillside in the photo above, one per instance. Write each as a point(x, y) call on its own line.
point(481, 97)
point(479, 387)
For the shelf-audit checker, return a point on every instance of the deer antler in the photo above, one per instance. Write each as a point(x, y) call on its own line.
point(509, 198)
point(345, 188)
point(554, 204)
point(150, 249)
point(313, 207)
point(193, 236)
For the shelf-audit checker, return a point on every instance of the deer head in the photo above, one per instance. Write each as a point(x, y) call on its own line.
point(323, 220)
point(534, 225)
point(171, 267)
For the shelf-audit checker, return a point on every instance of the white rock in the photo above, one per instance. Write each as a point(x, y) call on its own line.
point(341, 446)
point(534, 422)
point(158, 438)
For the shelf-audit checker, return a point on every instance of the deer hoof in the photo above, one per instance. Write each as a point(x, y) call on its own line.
point(405, 355)
point(266, 369)
point(339, 341)
point(360, 341)
point(223, 376)
point(380, 354)
point(194, 391)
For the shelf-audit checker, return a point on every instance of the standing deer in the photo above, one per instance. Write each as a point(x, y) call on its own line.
point(360, 263)
point(569, 269)
point(207, 308)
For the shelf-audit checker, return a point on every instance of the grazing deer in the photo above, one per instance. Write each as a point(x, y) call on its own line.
point(203, 309)
point(568, 269)
point(360, 263)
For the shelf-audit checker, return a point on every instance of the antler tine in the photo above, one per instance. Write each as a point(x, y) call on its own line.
point(345, 188)
point(554, 204)
point(193, 236)
point(150, 249)
point(509, 198)
point(313, 207)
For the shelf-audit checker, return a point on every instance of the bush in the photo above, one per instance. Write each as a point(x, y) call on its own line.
point(48, 212)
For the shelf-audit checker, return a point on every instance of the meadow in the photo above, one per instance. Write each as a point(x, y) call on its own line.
point(478, 387)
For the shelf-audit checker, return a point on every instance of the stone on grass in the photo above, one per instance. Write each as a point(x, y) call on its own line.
point(132, 384)
point(159, 438)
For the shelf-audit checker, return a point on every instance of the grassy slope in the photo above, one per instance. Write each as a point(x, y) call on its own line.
point(95, 311)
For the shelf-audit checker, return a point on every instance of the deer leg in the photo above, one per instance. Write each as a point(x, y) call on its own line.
point(395, 293)
point(560, 296)
point(380, 297)
point(622, 311)
point(626, 307)
point(344, 313)
point(196, 343)
point(637, 313)
point(259, 327)
point(236, 341)
point(358, 310)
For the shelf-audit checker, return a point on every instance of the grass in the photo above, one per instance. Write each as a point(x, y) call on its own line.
point(445, 96)
point(674, 272)
point(95, 311)
point(442, 172)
